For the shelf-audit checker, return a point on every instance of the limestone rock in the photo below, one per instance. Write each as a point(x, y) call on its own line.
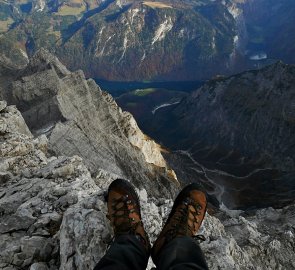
point(80, 119)
point(39, 266)
point(261, 240)
point(12, 120)
point(3, 105)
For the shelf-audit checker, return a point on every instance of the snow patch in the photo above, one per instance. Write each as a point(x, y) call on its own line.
point(133, 12)
point(213, 43)
point(162, 30)
point(24, 54)
point(125, 42)
point(236, 40)
point(42, 5)
point(100, 35)
point(119, 3)
point(101, 30)
point(234, 11)
point(99, 54)
point(143, 57)
point(181, 33)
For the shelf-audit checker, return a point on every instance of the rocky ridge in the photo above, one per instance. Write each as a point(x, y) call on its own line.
point(80, 119)
point(52, 213)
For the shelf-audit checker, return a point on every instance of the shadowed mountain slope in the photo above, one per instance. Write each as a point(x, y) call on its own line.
point(238, 135)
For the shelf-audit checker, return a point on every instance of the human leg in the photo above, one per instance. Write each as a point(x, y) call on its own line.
point(175, 247)
point(181, 253)
point(131, 247)
point(126, 252)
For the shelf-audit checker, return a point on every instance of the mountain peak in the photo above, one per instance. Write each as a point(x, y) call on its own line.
point(42, 59)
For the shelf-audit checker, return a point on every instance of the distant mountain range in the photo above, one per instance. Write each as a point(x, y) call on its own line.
point(148, 40)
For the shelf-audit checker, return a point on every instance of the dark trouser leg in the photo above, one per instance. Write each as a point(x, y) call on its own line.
point(181, 253)
point(126, 253)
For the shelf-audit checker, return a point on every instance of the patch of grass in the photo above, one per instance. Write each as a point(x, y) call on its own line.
point(66, 10)
point(4, 25)
point(131, 104)
point(143, 92)
point(57, 34)
point(156, 4)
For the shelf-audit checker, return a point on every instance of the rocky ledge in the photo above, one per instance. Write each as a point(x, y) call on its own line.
point(53, 214)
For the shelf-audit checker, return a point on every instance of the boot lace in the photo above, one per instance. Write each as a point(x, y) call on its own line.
point(122, 212)
point(128, 225)
point(181, 218)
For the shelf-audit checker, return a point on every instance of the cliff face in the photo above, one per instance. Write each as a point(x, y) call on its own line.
point(80, 119)
point(238, 133)
point(53, 214)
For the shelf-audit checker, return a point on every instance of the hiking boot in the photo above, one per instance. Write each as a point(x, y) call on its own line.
point(185, 218)
point(124, 211)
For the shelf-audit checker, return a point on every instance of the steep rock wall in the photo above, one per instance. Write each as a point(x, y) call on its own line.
point(80, 119)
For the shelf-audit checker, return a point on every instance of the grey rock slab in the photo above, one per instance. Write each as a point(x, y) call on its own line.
point(80, 119)
point(3, 105)
point(39, 266)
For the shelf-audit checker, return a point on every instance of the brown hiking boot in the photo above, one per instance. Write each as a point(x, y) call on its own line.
point(124, 211)
point(185, 218)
